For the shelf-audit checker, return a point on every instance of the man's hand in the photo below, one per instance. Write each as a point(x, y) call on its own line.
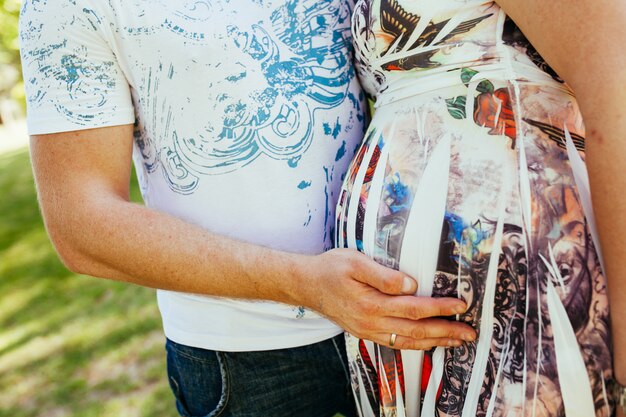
point(372, 302)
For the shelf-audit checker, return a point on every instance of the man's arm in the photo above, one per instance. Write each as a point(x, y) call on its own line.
point(584, 41)
point(83, 185)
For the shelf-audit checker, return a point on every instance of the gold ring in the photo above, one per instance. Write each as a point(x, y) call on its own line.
point(392, 339)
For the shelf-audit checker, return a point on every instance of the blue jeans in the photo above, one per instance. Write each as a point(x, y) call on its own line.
point(307, 381)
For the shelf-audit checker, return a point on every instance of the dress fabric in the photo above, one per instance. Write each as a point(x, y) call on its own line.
point(472, 179)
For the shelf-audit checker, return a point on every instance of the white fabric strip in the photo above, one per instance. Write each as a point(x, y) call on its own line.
point(573, 376)
point(483, 347)
point(340, 219)
point(420, 246)
point(373, 199)
point(355, 196)
point(581, 178)
point(365, 410)
point(524, 186)
point(414, 360)
point(400, 405)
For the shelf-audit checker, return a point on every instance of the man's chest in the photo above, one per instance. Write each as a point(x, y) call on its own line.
point(221, 82)
point(229, 40)
point(299, 25)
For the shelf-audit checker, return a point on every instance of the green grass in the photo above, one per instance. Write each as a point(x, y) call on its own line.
point(70, 345)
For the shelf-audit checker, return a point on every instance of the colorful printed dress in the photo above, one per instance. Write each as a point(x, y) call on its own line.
point(472, 179)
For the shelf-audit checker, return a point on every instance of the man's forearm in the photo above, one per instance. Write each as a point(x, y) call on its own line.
point(113, 238)
point(116, 239)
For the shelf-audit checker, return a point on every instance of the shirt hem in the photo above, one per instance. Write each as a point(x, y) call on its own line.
point(58, 125)
point(238, 344)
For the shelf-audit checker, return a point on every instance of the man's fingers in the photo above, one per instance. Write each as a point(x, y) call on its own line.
point(378, 305)
point(416, 308)
point(406, 343)
point(433, 328)
point(421, 334)
point(385, 280)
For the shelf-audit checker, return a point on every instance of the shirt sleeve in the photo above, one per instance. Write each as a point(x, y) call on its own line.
point(73, 79)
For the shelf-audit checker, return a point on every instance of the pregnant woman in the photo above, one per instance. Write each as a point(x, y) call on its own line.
point(472, 179)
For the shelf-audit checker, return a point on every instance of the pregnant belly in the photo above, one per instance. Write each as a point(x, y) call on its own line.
point(497, 221)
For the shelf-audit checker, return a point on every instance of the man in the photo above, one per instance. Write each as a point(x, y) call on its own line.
point(242, 119)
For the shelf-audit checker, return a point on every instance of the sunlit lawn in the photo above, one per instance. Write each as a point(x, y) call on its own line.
point(70, 345)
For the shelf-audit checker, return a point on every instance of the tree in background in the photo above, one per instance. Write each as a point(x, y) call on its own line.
point(11, 85)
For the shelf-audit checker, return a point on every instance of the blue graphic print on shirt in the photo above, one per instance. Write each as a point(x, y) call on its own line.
point(277, 119)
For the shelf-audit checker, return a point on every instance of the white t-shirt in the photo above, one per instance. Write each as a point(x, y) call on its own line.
point(247, 114)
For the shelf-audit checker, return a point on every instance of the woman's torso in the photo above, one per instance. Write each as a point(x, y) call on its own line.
point(472, 179)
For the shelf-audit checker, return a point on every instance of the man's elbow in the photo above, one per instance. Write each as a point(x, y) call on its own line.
point(70, 251)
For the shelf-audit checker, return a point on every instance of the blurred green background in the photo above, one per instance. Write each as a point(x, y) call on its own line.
point(11, 86)
point(70, 345)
